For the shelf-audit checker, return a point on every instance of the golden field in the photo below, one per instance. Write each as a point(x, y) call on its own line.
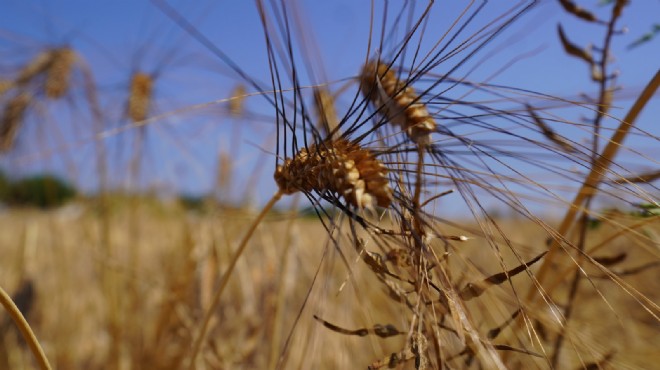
point(136, 302)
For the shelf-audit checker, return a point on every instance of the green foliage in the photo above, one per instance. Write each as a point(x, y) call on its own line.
point(646, 37)
point(648, 210)
point(4, 185)
point(192, 202)
point(43, 191)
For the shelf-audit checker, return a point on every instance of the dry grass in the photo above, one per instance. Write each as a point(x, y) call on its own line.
point(159, 303)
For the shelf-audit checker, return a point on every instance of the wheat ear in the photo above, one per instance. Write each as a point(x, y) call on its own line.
point(58, 73)
point(397, 101)
point(337, 166)
point(139, 101)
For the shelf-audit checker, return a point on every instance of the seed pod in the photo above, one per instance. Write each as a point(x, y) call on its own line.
point(58, 74)
point(574, 50)
point(549, 133)
point(340, 167)
point(577, 11)
point(618, 8)
point(397, 101)
point(139, 101)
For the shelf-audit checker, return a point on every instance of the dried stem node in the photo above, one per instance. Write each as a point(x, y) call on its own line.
point(397, 101)
point(340, 167)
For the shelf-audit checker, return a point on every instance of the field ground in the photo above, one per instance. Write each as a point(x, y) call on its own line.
point(135, 301)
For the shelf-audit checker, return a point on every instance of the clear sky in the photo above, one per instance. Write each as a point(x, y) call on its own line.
point(117, 38)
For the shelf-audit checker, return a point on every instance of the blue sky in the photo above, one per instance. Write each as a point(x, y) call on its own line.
point(119, 37)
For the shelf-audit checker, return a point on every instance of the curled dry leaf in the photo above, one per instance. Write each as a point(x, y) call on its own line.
point(382, 331)
point(548, 132)
point(577, 10)
point(572, 49)
point(473, 290)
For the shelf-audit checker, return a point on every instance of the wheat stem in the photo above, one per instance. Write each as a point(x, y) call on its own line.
point(25, 328)
point(225, 278)
point(598, 170)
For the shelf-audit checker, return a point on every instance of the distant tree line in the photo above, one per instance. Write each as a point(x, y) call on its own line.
point(42, 190)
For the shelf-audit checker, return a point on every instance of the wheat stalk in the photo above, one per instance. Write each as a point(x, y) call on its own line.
point(26, 330)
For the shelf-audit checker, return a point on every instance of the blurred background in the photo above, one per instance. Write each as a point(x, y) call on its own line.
point(191, 125)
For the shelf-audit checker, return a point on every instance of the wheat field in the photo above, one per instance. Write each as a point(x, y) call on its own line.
point(292, 185)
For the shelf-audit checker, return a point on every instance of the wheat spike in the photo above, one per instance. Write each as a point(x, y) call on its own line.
point(340, 167)
point(4, 86)
point(141, 92)
point(237, 101)
point(397, 101)
point(58, 73)
point(11, 120)
point(325, 111)
point(38, 65)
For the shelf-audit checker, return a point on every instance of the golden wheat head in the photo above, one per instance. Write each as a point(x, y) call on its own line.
point(397, 101)
point(337, 166)
point(139, 100)
point(37, 66)
point(58, 74)
point(236, 104)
